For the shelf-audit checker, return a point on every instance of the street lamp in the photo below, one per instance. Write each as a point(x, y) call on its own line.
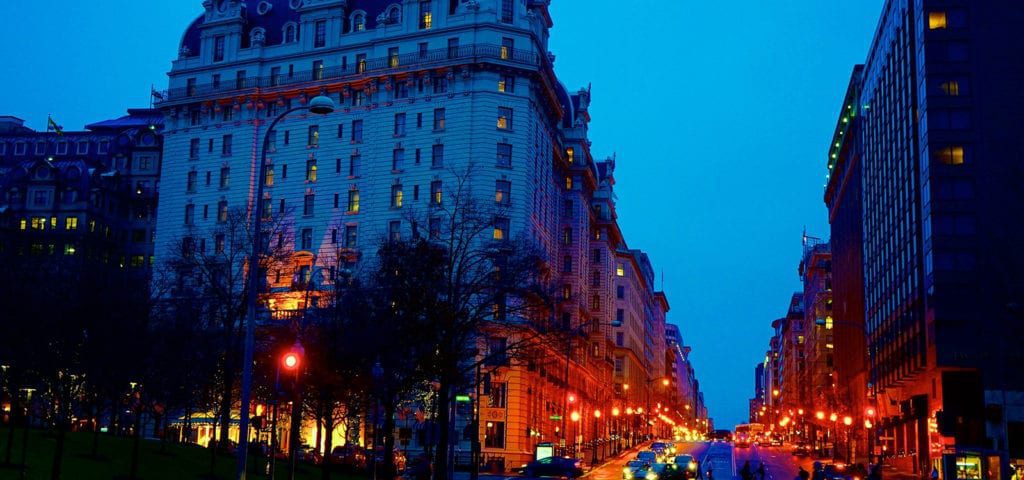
point(319, 105)
point(597, 416)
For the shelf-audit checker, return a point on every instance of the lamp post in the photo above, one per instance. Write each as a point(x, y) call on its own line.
point(617, 446)
point(597, 416)
point(319, 105)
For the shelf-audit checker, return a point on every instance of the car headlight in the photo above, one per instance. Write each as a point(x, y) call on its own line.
point(693, 465)
point(627, 471)
point(651, 476)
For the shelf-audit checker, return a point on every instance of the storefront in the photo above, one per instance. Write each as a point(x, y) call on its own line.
point(973, 464)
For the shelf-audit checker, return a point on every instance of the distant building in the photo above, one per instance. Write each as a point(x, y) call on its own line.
point(844, 197)
point(82, 194)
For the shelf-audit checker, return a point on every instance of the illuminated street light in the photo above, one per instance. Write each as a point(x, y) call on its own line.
point(833, 417)
point(847, 420)
point(597, 414)
point(575, 416)
point(615, 411)
point(868, 424)
point(775, 392)
point(800, 411)
point(820, 415)
point(629, 410)
point(665, 382)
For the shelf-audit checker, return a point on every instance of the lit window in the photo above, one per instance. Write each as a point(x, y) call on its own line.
point(507, 45)
point(71, 223)
point(311, 170)
point(359, 22)
point(501, 226)
point(396, 196)
point(936, 20)
point(426, 17)
point(353, 201)
point(38, 223)
point(568, 183)
point(951, 88)
point(950, 155)
point(393, 57)
point(504, 118)
point(620, 270)
point(570, 155)
point(829, 346)
point(314, 136)
point(829, 323)
point(507, 84)
point(800, 339)
point(502, 189)
point(436, 194)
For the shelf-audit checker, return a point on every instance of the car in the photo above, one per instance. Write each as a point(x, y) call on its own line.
point(801, 450)
point(647, 456)
point(633, 466)
point(348, 456)
point(674, 471)
point(308, 454)
point(775, 442)
point(742, 443)
point(553, 467)
point(687, 465)
point(659, 447)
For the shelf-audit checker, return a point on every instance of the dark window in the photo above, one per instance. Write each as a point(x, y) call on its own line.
point(399, 124)
point(353, 165)
point(307, 239)
point(502, 192)
point(314, 136)
point(437, 156)
point(439, 118)
point(504, 155)
point(307, 204)
point(398, 159)
point(351, 234)
point(506, 11)
point(318, 70)
point(218, 48)
point(225, 148)
point(357, 131)
point(320, 34)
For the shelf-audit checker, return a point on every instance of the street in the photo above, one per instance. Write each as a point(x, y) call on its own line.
point(778, 462)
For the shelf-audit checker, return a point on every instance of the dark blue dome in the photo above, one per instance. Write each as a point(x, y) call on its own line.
point(273, 21)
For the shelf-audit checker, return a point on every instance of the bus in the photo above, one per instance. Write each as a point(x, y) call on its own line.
point(748, 433)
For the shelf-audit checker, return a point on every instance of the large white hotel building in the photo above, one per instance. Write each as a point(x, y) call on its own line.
point(424, 89)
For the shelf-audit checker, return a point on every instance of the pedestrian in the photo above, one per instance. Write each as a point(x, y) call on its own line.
point(745, 472)
point(803, 474)
point(711, 474)
point(819, 471)
point(760, 471)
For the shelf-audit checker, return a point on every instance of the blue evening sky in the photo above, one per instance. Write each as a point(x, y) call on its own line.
point(720, 112)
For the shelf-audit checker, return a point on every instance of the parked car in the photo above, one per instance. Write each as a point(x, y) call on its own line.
point(309, 454)
point(553, 467)
point(801, 450)
point(348, 456)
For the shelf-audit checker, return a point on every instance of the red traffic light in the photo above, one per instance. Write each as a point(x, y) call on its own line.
point(293, 357)
point(290, 360)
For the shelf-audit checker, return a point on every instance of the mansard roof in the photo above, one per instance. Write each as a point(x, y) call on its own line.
point(273, 20)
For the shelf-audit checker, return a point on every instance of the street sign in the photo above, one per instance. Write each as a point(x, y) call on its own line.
point(462, 398)
point(555, 417)
point(887, 438)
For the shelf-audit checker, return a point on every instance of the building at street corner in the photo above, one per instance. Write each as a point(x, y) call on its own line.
point(72, 197)
point(427, 91)
point(925, 183)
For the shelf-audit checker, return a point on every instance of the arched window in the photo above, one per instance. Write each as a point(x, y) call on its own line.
point(291, 33)
point(394, 14)
point(358, 22)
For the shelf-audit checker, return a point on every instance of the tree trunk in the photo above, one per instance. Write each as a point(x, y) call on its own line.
point(225, 405)
point(441, 465)
point(12, 423)
point(96, 430)
point(388, 436)
point(325, 470)
point(213, 445)
point(58, 452)
point(134, 471)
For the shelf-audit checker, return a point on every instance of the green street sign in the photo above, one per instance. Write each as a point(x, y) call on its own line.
point(555, 417)
point(462, 398)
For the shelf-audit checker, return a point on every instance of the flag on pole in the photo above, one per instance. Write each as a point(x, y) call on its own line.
point(52, 126)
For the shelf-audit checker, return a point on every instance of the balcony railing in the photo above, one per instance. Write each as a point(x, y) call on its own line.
point(360, 68)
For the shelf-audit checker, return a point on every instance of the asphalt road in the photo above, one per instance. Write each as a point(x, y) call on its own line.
point(779, 463)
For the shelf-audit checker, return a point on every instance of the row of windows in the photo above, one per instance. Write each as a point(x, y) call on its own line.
point(81, 147)
point(40, 223)
point(502, 196)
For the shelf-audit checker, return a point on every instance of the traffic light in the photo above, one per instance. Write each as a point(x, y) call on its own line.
point(292, 359)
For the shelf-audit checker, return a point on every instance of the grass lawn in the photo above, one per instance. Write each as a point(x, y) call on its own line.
point(177, 462)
